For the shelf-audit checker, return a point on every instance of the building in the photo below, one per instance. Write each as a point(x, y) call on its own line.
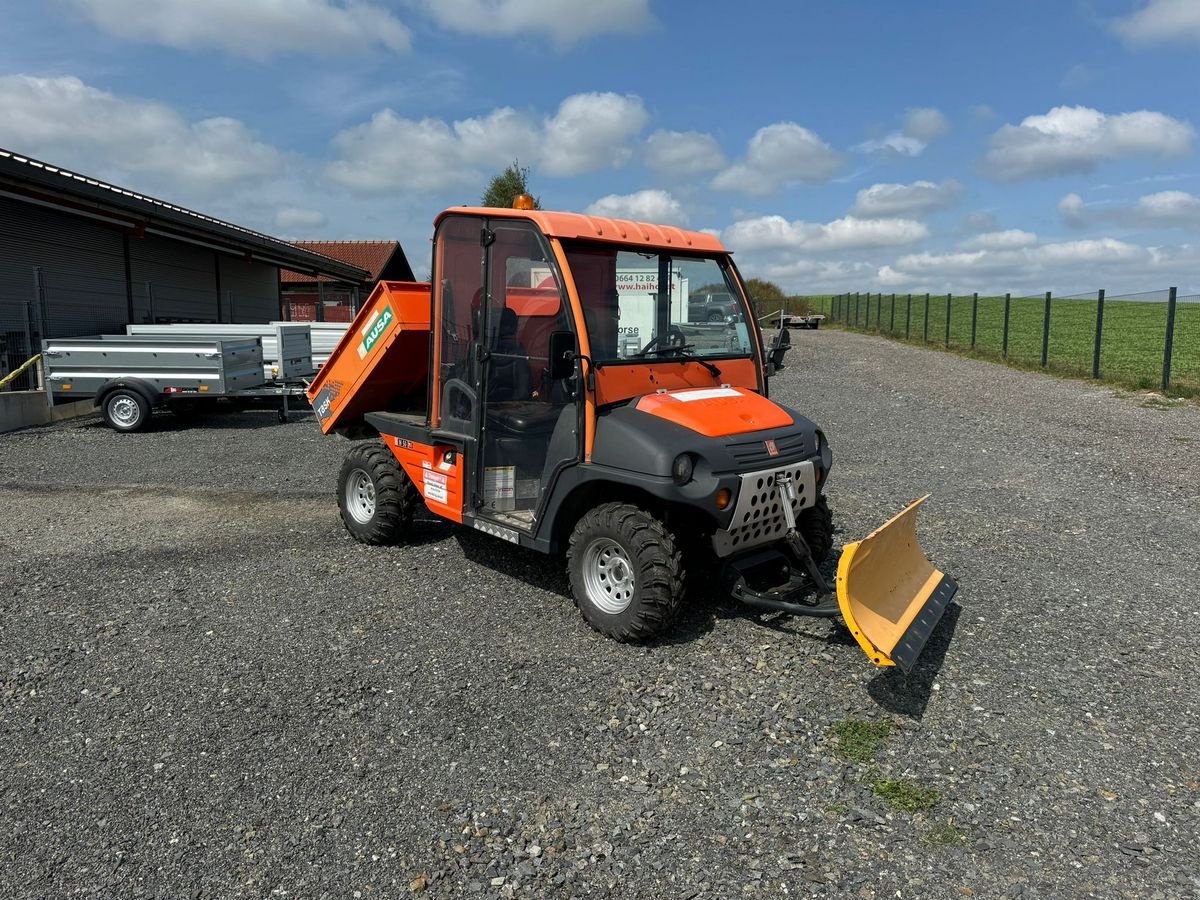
point(79, 256)
point(322, 298)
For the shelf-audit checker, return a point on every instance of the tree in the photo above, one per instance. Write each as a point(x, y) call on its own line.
point(764, 291)
point(508, 184)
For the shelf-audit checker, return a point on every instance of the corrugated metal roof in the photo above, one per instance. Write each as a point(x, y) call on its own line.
point(374, 256)
point(90, 196)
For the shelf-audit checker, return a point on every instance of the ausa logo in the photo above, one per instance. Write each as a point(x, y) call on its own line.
point(374, 330)
point(772, 450)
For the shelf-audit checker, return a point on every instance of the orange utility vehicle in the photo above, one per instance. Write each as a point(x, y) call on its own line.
point(548, 387)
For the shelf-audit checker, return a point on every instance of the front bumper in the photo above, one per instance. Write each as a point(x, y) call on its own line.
point(758, 518)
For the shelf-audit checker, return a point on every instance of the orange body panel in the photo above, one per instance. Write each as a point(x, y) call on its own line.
point(382, 360)
point(439, 480)
point(716, 412)
point(614, 383)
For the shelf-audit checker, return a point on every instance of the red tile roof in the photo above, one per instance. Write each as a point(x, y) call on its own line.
point(370, 255)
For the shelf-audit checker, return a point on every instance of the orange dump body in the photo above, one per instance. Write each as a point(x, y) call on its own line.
point(381, 363)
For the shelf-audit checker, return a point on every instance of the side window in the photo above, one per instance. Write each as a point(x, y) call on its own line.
point(459, 290)
point(526, 307)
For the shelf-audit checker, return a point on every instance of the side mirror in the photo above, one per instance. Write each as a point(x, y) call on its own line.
point(562, 355)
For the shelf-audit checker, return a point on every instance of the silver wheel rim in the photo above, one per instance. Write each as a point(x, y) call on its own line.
point(608, 576)
point(124, 410)
point(360, 497)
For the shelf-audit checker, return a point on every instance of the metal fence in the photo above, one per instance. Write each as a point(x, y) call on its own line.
point(1147, 340)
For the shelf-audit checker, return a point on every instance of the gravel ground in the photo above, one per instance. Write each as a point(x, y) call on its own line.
point(208, 690)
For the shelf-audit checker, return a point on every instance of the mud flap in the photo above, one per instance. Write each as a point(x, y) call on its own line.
point(890, 595)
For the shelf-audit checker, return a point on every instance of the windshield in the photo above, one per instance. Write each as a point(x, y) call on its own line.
point(646, 306)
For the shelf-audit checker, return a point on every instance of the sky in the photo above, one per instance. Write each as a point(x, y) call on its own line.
point(942, 145)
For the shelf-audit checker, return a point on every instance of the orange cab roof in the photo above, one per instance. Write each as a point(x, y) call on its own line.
point(599, 228)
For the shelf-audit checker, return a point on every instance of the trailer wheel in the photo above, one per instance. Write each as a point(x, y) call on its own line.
point(815, 524)
point(626, 572)
point(126, 410)
point(376, 497)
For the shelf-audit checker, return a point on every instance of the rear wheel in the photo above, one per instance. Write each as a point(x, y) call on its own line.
point(815, 524)
point(376, 496)
point(126, 410)
point(715, 317)
point(626, 572)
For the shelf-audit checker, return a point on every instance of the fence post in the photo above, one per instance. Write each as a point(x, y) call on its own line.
point(39, 294)
point(974, 316)
point(150, 301)
point(1169, 341)
point(878, 311)
point(1099, 332)
point(1007, 302)
point(892, 324)
point(857, 306)
point(1046, 332)
point(948, 299)
point(925, 337)
point(907, 317)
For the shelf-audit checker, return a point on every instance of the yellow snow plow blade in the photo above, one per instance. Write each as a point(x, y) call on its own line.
point(890, 595)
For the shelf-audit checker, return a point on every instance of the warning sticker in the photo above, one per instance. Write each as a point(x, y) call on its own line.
point(435, 487)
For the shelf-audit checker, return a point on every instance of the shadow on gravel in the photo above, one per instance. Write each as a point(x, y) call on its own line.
point(908, 695)
point(219, 420)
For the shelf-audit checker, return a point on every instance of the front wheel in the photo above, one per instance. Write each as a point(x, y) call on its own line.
point(376, 496)
point(626, 572)
point(815, 524)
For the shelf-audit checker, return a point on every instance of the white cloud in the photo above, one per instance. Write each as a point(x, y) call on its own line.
point(906, 199)
point(1161, 21)
point(392, 153)
point(779, 155)
point(1066, 265)
point(767, 233)
point(922, 126)
point(645, 206)
point(1011, 239)
point(683, 152)
point(1077, 139)
point(981, 112)
point(294, 218)
point(258, 29)
point(70, 123)
point(1165, 209)
point(591, 131)
point(926, 124)
point(564, 21)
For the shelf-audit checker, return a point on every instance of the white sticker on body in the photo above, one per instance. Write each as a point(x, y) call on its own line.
point(704, 394)
point(435, 487)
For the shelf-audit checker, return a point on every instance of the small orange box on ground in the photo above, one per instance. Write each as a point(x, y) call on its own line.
point(382, 362)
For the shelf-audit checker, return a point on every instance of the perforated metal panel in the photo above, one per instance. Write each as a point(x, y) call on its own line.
point(758, 517)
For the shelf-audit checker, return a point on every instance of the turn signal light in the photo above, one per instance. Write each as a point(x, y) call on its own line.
point(724, 495)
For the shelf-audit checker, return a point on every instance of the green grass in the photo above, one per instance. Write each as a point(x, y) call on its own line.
point(858, 741)
point(1132, 344)
point(905, 794)
point(945, 835)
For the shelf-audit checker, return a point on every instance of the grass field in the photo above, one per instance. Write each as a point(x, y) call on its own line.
point(1131, 347)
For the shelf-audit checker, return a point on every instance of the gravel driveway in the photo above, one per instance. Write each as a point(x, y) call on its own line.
point(208, 690)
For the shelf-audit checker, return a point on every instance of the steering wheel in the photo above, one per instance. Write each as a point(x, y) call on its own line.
point(674, 337)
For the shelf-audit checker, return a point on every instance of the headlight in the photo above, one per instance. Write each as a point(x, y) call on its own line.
point(681, 469)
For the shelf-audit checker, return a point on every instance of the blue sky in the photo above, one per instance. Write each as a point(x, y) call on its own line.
point(885, 146)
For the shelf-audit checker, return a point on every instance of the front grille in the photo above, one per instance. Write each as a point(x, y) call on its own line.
point(790, 447)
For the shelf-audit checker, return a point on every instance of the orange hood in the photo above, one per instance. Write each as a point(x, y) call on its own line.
point(716, 412)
